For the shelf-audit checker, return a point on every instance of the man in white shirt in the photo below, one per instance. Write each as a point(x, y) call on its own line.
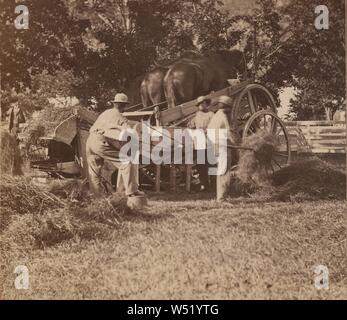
point(98, 150)
point(222, 120)
point(201, 121)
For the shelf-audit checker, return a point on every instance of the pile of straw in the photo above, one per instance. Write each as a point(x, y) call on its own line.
point(36, 218)
point(253, 165)
point(311, 179)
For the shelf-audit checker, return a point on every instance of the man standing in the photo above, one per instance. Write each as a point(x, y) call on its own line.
point(222, 120)
point(339, 118)
point(98, 149)
point(201, 121)
point(16, 116)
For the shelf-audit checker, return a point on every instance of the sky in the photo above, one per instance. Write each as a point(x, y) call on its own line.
point(285, 96)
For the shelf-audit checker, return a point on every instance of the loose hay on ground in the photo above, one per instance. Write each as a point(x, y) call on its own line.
point(308, 180)
point(33, 218)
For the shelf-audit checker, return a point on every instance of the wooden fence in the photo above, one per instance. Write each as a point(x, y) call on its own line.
point(317, 136)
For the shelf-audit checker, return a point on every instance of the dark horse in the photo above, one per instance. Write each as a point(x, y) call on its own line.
point(186, 80)
point(152, 86)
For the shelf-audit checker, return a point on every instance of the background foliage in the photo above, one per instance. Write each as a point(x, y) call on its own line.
point(92, 48)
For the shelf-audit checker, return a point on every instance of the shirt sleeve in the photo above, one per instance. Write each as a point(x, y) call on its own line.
point(192, 123)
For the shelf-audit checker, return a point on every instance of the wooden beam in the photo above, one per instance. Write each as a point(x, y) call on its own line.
point(157, 178)
point(137, 113)
point(189, 171)
point(251, 102)
point(173, 185)
point(188, 108)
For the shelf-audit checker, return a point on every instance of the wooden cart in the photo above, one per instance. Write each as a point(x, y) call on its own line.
point(254, 108)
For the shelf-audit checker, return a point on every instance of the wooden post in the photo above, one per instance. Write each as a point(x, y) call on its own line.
point(189, 168)
point(255, 49)
point(157, 116)
point(173, 178)
point(157, 178)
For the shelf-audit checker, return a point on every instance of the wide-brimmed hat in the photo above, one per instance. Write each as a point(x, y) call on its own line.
point(201, 99)
point(120, 98)
point(227, 101)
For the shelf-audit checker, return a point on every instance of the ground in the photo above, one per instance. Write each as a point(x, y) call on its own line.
point(186, 247)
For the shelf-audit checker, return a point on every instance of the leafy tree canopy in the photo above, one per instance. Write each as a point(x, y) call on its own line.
point(92, 48)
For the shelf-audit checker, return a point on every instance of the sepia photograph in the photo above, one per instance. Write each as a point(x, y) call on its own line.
point(169, 150)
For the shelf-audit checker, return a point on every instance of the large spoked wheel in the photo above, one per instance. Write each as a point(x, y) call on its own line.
point(250, 100)
point(267, 121)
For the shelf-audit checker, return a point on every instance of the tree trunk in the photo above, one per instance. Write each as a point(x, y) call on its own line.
point(328, 113)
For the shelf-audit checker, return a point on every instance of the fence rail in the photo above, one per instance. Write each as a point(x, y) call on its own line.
point(317, 136)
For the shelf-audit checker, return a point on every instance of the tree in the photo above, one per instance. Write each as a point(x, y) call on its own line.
point(50, 43)
point(290, 52)
point(320, 54)
point(128, 37)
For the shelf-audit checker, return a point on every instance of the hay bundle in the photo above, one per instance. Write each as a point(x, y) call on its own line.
point(96, 220)
point(10, 157)
point(308, 180)
point(22, 197)
point(32, 217)
point(74, 190)
point(19, 196)
point(253, 165)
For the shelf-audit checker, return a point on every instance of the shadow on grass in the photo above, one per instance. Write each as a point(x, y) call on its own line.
point(181, 197)
point(143, 216)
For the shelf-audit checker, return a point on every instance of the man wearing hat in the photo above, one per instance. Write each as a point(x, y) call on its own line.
point(201, 121)
point(16, 116)
point(98, 149)
point(222, 120)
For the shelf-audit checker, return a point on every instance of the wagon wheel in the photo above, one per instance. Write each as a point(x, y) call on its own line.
point(251, 99)
point(266, 120)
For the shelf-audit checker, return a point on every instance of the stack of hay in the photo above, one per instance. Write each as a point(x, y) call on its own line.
point(31, 217)
point(253, 165)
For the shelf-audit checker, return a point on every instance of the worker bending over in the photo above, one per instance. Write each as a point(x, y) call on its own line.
point(98, 150)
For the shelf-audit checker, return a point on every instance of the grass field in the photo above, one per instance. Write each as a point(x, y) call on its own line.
point(185, 248)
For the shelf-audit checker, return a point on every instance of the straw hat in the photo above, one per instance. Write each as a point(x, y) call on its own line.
point(120, 98)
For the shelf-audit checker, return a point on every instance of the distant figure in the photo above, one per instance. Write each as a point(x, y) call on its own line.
point(339, 118)
point(201, 121)
point(16, 116)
